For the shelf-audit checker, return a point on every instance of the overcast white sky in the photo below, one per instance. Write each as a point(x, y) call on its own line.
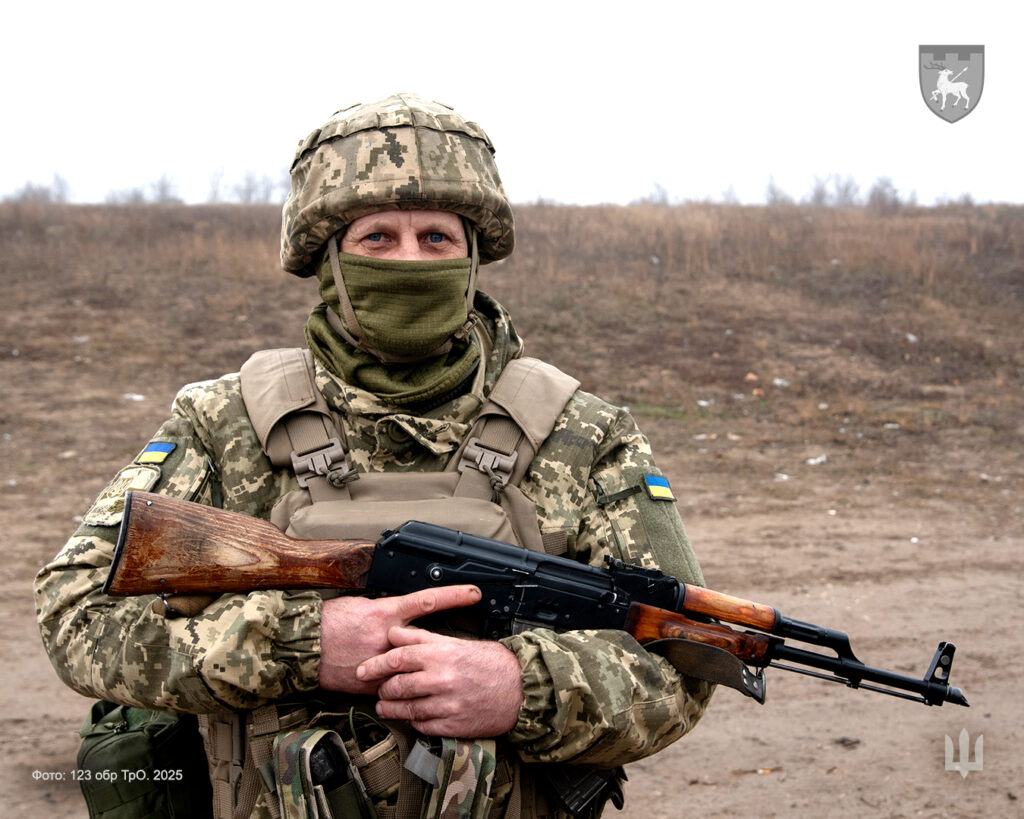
point(586, 102)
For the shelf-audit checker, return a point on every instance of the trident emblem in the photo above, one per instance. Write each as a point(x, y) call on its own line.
point(964, 763)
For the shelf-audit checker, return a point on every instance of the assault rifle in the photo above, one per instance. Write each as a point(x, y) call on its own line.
point(168, 546)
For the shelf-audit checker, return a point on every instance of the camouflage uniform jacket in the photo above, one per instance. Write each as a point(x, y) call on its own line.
point(591, 697)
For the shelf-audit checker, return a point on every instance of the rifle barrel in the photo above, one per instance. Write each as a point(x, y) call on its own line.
point(929, 690)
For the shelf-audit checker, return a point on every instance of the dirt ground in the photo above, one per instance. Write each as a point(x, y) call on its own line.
point(901, 537)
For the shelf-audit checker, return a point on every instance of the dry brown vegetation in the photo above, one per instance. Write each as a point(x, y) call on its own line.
point(693, 298)
point(748, 340)
point(657, 307)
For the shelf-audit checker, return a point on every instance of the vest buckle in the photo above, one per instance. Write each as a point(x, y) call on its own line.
point(323, 461)
point(492, 462)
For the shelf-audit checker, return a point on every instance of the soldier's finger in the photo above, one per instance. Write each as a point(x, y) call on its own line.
point(412, 636)
point(409, 607)
point(421, 709)
point(408, 686)
point(402, 660)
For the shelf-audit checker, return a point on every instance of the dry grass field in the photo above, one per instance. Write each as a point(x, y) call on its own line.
point(835, 394)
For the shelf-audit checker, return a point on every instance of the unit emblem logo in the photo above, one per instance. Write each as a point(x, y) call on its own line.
point(952, 77)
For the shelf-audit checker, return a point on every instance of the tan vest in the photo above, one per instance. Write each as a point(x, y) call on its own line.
point(478, 492)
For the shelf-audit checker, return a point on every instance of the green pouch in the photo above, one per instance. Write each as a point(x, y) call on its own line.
point(315, 778)
point(139, 764)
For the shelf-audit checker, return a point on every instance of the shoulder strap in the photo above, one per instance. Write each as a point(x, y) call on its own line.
point(516, 419)
point(518, 415)
point(290, 416)
point(533, 394)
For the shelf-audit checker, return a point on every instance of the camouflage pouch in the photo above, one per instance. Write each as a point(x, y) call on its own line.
point(373, 748)
point(315, 778)
point(139, 764)
point(463, 773)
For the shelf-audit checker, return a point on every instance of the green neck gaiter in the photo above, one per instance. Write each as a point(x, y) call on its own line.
point(395, 329)
point(399, 309)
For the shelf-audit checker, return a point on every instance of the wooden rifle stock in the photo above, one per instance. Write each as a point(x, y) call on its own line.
point(167, 546)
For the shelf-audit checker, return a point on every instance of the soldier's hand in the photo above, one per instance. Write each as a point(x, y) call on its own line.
point(353, 629)
point(446, 686)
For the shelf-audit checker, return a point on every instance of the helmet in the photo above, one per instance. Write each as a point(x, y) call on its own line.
point(401, 152)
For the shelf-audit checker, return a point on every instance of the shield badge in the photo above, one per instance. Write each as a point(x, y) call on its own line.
point(952, 77)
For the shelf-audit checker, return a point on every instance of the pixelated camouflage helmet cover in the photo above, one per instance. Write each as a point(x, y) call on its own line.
point(401, 152)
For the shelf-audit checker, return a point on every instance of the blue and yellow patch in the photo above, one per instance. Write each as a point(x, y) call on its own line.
point(155, 453)
point(658, 488)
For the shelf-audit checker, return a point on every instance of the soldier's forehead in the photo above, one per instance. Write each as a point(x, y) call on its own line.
point(420, 217)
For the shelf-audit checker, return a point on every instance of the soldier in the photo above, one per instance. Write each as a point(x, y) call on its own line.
point(412, 400)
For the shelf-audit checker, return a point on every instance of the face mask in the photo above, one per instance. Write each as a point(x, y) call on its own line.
point(399, 311)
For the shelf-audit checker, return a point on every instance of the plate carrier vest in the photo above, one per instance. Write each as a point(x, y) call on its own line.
point(477, 492)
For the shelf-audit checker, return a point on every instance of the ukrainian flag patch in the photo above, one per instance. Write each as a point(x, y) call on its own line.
point(155, 453)
point(658, 488)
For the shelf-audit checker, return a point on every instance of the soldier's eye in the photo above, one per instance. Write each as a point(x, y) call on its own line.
point(374, 237)
point(435, 238)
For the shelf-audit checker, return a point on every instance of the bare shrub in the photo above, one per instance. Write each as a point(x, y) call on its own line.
point(883, 196)
point(56, 191)
point(774, 195)
point(846, 192)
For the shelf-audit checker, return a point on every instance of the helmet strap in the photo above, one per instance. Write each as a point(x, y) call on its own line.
point(474, 265)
